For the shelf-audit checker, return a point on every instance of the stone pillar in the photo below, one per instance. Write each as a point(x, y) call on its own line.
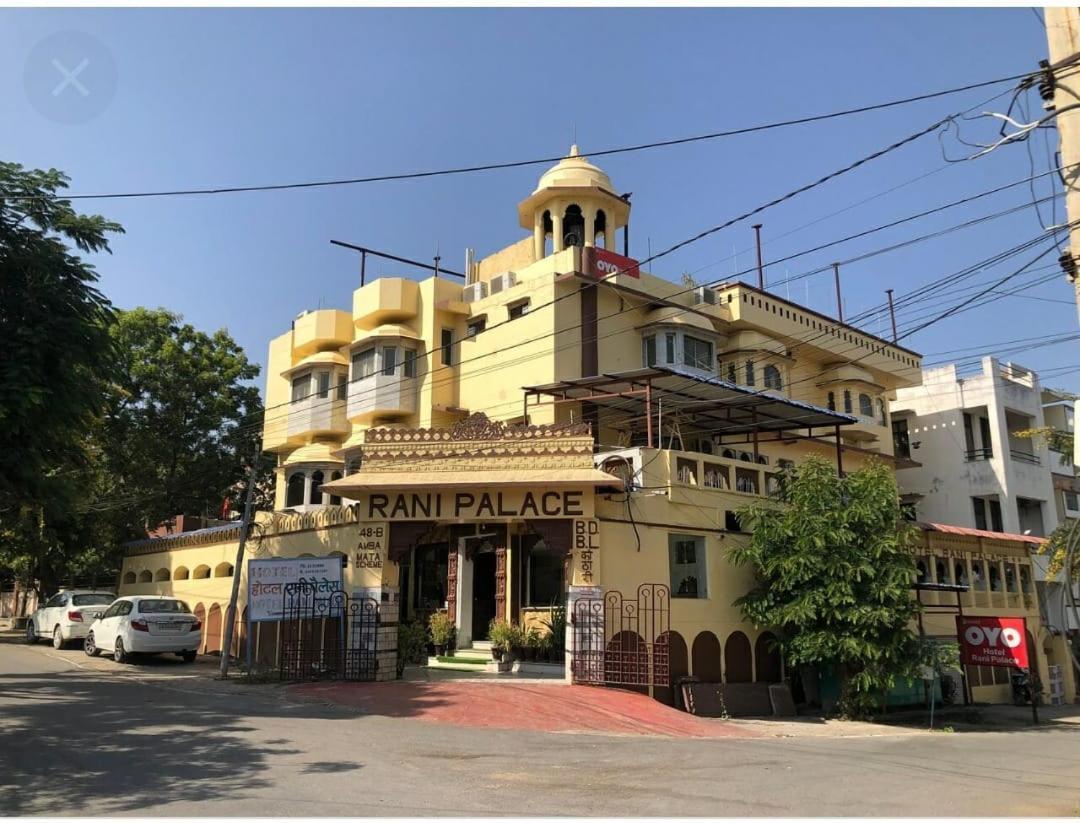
point(538, 236)
point(556, 231)
point(589, 213)
point(307, 487)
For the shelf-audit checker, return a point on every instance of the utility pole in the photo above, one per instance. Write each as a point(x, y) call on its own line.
point(238, 568)
point(1058, 86)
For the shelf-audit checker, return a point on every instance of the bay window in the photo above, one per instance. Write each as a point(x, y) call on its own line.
point(363, 364)
point(697, 354)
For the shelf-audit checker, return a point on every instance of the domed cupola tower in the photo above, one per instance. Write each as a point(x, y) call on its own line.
point(574, 204)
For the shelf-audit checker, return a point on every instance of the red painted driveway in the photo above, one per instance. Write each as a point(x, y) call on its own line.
point(526, 706)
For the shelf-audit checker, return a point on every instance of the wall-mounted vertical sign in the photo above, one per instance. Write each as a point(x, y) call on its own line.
point(586, 543)
point(993, 641)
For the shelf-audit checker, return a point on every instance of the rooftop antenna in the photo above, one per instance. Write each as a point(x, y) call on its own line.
point(437, 258)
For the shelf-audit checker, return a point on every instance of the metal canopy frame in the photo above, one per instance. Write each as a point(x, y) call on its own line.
point(708, 405)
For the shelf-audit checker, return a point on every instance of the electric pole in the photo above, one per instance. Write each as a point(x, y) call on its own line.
point(238, 568)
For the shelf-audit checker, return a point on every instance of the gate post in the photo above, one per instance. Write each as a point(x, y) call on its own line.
point(581, 626)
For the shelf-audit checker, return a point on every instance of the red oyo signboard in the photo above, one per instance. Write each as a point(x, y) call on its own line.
point(993, 641)
point(604, 264)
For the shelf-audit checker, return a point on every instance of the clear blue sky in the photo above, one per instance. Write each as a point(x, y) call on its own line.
point(211, 97)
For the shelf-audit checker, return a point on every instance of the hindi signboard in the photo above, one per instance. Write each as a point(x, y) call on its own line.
point(993, 641)
point(267, 580)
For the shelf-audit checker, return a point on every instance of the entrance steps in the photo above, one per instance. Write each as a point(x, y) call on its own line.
point(476, 659)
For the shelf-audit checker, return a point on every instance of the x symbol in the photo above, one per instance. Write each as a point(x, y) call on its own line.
point(71, 78)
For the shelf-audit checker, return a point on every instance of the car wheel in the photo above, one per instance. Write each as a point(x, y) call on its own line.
point(57, 638)
point(119, 654)
point(188, 657)
point(31, 634)
point(90, 647)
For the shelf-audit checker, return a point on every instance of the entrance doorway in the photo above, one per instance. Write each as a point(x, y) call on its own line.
point(483, 590)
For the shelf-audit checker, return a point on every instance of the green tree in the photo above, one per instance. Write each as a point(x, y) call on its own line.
point(56, 361)
point(181, 423)
point(57, 351)
point(1055, 440)
point(1065, 539)
point(834, 564)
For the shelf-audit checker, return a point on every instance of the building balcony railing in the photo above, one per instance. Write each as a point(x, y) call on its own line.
point(1025, 457)
point(710, 471)
point(978, 454)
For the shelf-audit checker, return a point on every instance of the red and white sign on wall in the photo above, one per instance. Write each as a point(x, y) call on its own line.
point(993, 641)
point(601, 263)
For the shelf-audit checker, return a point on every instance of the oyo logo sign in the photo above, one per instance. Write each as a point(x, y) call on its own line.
point(991, 635)
point(993, 641)
point(602, 263)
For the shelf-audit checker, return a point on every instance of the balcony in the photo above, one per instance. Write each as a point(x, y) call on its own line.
point(1025, 457)
point(724, 474)
point(978, 454)
point(316, 415)
point(382, 395)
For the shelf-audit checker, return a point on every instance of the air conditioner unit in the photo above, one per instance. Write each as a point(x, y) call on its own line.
point(502, 282)
point(474, 292)
point(703, 294)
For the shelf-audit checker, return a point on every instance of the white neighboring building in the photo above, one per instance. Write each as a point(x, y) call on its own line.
point(974, 471)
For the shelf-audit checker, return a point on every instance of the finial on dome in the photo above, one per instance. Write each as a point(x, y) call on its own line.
point(573, 150)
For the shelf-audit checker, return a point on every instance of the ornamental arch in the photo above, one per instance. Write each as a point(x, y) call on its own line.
point(738, 659)
point(707, 658)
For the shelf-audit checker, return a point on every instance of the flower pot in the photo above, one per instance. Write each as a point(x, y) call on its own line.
point(440, 649)
point(496, 653)
point(530, 654)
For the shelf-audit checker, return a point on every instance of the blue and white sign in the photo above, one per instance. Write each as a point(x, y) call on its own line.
point(267, 580)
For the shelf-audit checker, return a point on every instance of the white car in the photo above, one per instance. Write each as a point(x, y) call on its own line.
point(147, 623)
point(67, 616)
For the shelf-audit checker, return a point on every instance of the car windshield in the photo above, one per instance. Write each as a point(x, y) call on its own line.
point(92, 599)
point(163, 607)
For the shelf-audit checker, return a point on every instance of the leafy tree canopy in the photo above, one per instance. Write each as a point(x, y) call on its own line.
point(835, 564)
point(57, 353)
point(1057, 548)
point(181, 422)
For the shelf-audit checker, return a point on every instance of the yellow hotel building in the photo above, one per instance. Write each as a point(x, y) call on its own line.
point(561, 427)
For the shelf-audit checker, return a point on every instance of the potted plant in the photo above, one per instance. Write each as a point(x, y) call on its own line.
point(412, 645)
point(544, 651)
point(530, 644)
point(517, 643)
point(501, 634)
point(556, 626)
point(442, 631)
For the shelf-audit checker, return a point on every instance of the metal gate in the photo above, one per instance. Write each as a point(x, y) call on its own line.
point(620, 642)
point(326, 634)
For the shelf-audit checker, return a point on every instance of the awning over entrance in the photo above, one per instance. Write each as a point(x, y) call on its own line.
point(703, 403)
point(430, 477)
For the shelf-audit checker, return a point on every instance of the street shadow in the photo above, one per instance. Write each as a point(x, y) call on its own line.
point(330, 767)
point(394, 698)
point(75, 744)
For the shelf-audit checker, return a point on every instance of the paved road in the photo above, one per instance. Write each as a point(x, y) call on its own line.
point(155, 740)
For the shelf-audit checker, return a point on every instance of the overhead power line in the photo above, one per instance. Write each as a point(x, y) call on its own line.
point(414, 175)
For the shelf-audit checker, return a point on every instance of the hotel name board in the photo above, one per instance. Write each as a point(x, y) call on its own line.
point(476, 505)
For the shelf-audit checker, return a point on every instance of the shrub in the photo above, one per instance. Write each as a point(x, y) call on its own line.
point(441, 627)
